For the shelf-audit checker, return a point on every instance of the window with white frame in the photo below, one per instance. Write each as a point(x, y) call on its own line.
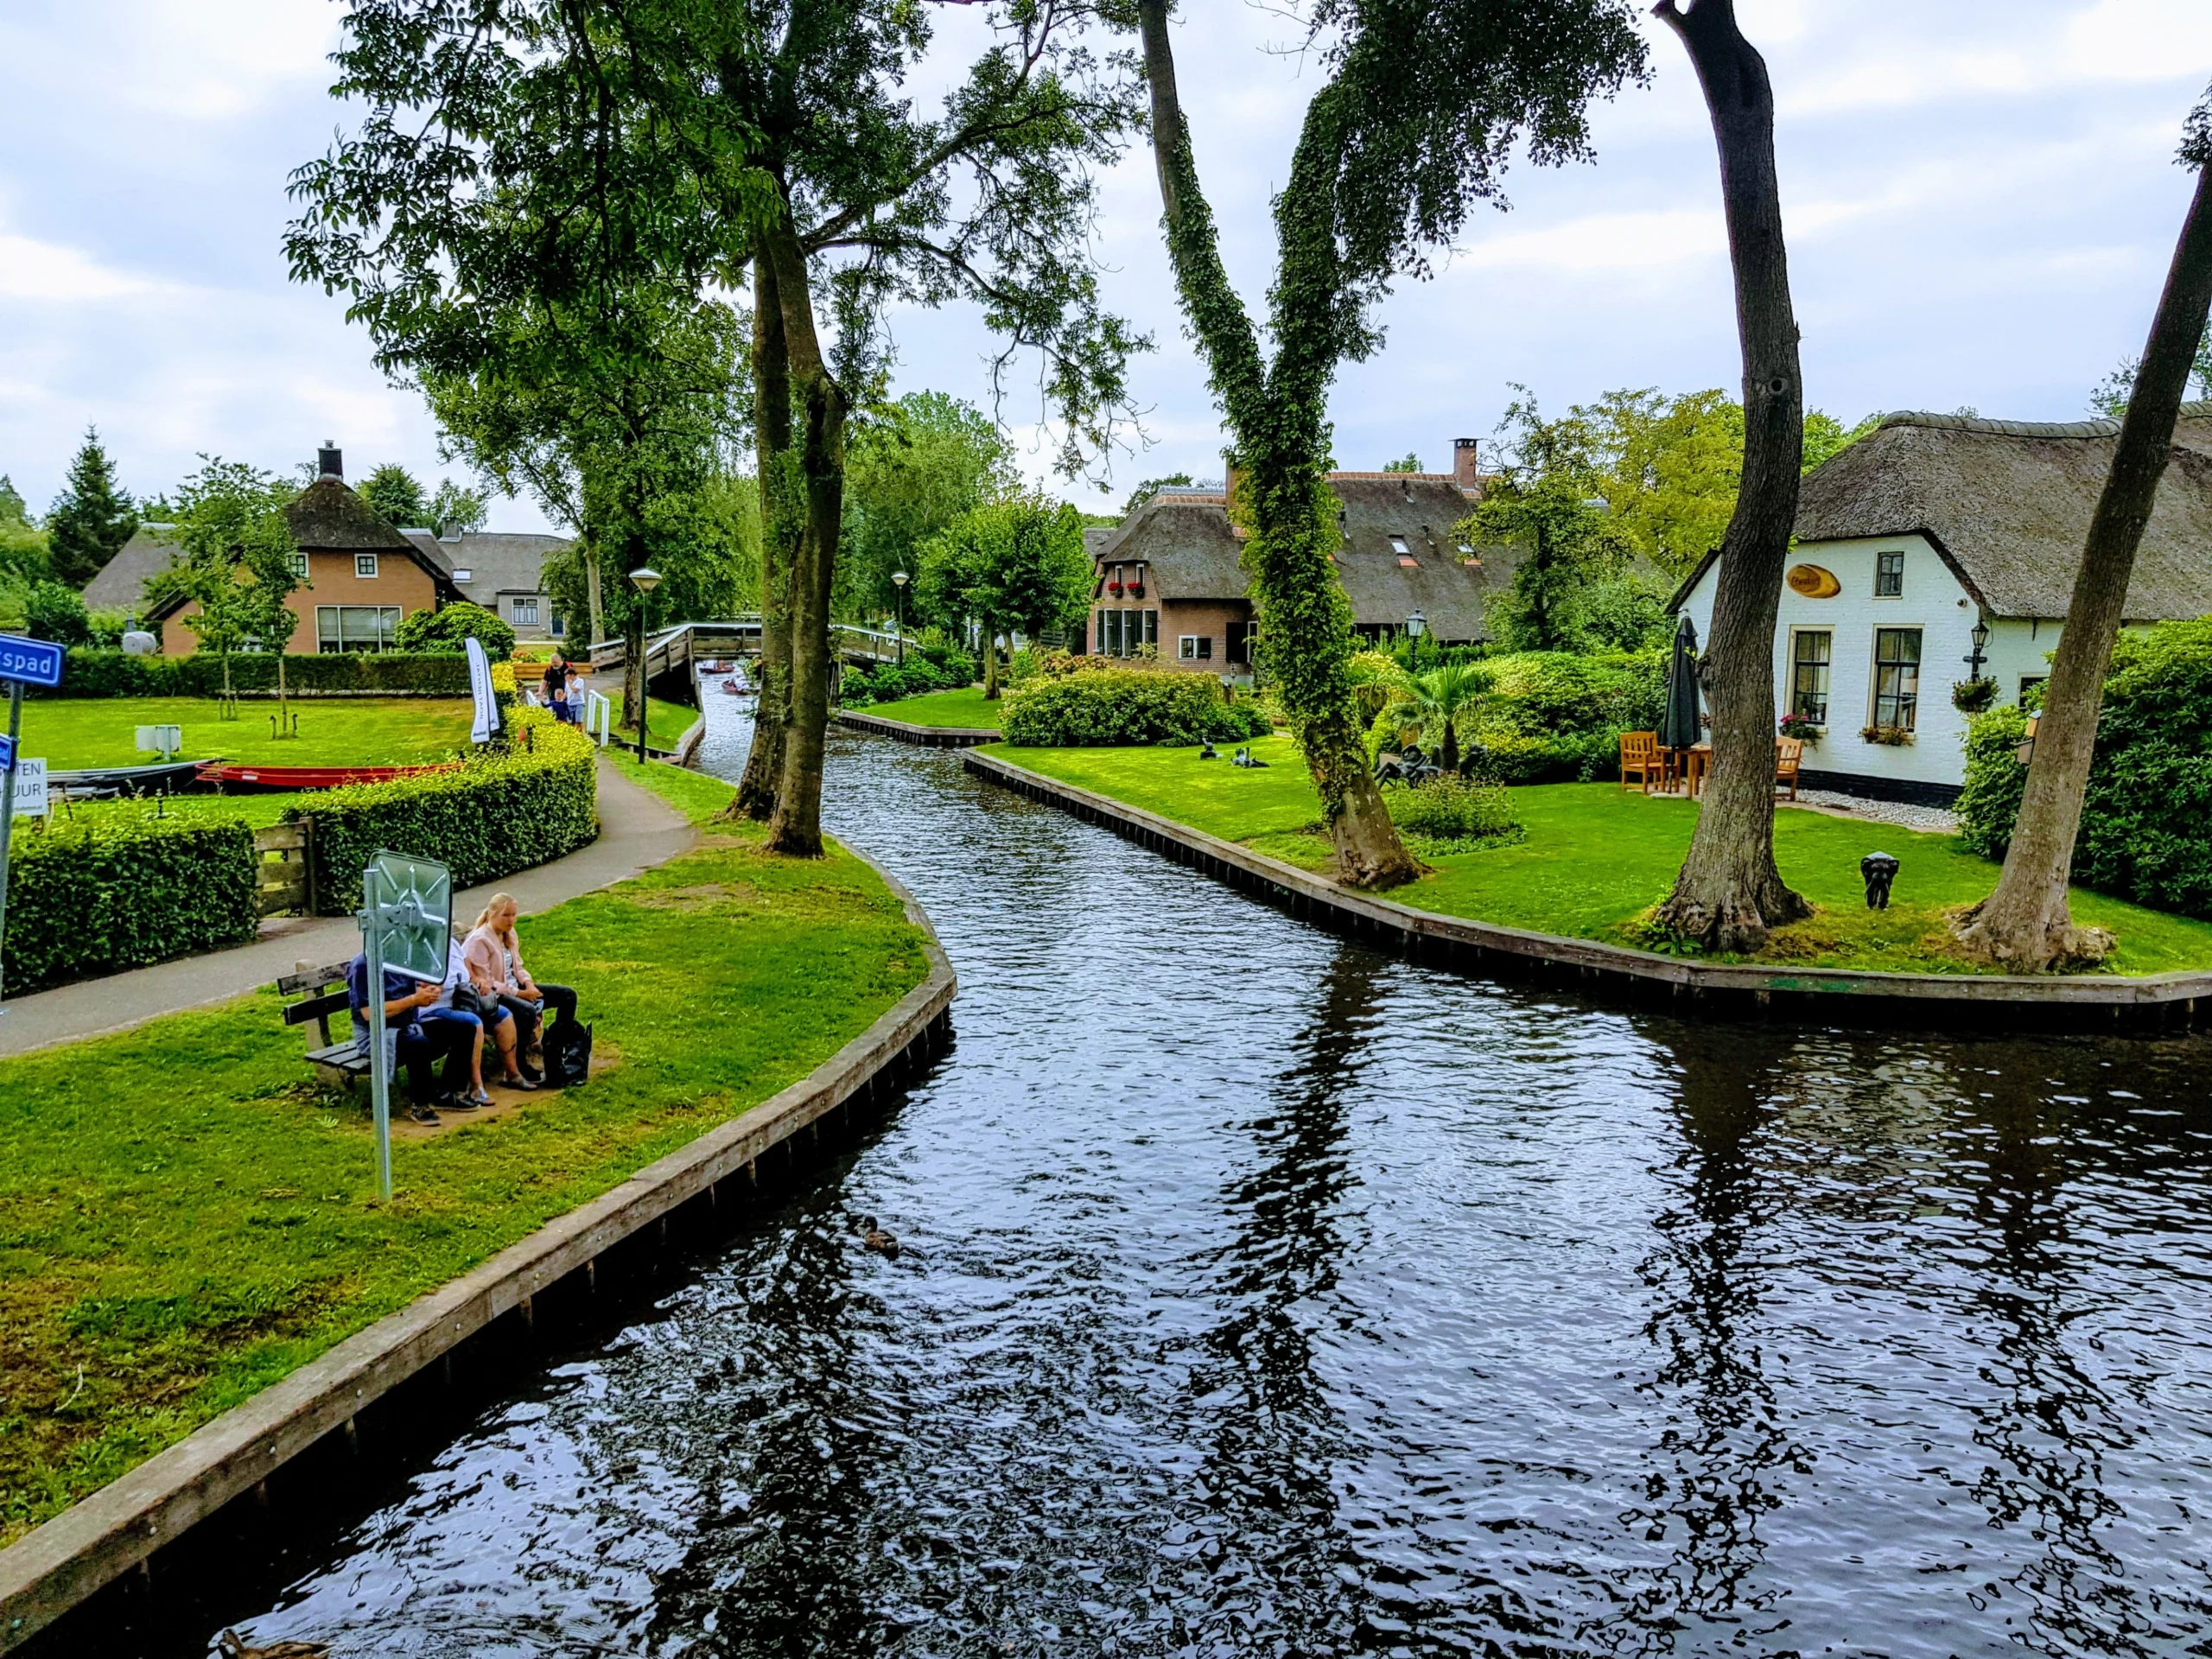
point(1811, 653)
point(298, 562)
point(364, 564)
point(525, 612)
point(1195, 648)
point(1889, 575)
point(1896, 678)
point(355, 627)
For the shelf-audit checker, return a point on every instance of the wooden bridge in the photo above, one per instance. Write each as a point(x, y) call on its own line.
point(680, 649)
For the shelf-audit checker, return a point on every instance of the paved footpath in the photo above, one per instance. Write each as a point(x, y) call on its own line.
point(637, 830)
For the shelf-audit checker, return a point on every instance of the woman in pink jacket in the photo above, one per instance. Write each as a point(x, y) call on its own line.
point(493, 954)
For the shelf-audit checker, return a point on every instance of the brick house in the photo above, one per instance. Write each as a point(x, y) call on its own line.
point(362, 575)
point(504, 572)
point(1168, 576)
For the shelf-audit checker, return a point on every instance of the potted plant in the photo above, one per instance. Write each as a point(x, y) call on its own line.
point(1803, 728)
point(1973, 697)
point(1892, 737)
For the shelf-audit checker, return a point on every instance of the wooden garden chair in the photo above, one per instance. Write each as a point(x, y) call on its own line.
point(1640, 754)
point(1788, 752)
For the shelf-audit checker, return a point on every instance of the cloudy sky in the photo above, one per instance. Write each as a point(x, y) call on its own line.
point(1979, 194)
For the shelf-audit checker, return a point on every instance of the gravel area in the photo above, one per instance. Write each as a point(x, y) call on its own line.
point(1934, 820)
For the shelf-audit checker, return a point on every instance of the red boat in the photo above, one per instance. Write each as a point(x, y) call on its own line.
point(288, 778)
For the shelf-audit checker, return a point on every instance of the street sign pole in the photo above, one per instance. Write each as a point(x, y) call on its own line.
point(379, 1070)
point(8, 814)
point(406, 919)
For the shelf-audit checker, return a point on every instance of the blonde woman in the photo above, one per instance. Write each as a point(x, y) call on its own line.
point(493, 952)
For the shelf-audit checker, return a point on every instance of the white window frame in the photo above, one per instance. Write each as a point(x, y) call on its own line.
point(525, 612)
point(1789, 686)
point(298, 562)
point(337, 628)
point(1194, 647)
point(364, 566)
point(1911, 721)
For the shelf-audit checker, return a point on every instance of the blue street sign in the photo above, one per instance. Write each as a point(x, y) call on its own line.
point(34, 662)
point(6, 751)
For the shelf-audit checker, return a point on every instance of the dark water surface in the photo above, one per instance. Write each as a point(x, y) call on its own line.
point(1265, 1295)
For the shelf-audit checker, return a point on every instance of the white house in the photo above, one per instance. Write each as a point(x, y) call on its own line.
point(1931, 525)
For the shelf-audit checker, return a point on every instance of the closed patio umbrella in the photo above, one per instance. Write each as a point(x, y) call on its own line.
point(1678, 726)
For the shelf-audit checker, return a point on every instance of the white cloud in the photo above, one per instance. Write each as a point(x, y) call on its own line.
point(44, 271)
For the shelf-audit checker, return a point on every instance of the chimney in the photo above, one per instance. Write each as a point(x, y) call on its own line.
point(1463, 463)
point(331, 460)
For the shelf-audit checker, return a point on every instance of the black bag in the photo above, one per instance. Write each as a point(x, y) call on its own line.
point(567, 1053)
point(466, 998)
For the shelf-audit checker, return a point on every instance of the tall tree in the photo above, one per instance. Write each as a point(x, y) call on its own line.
point(2025, 924)
point(1418, 111)
point(913, 467)
point(456, 510)
point(91, 519)
point(1729, 893)
point(235, 559)
point(1012, 566)
point(22, 545)
point(396, 494)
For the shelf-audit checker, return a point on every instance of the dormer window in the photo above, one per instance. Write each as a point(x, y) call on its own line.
point(1466, 549)
point(1398, 546)
point(364, 564)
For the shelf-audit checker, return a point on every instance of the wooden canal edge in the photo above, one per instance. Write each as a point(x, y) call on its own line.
point(2074, 1003)
point(929, 737)
point(68, 1558)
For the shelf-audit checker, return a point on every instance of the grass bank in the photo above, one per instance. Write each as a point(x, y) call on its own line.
point(1595, 858)
point(185, 1217)
point(954, 708)
point(75, 733)
point(665, 724)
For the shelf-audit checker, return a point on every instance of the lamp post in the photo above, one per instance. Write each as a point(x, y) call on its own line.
point(645, 579)
point(1416, 626)
point(899, 580)
point(1975, 657)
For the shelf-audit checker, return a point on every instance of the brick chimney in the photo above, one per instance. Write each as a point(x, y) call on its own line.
point(330, 461)
point(1463, 463)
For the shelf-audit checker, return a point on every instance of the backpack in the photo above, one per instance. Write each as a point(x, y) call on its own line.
point(567, 1054)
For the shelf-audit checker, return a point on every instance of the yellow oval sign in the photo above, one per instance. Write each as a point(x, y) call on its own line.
point(1813, 581)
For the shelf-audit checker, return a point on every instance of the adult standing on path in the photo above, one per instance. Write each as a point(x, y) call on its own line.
point(557, 686)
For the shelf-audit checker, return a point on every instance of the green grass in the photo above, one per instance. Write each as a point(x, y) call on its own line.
point(965, 709)
point(259, 810)
point(185, 1217)
point(1594, 859)
point(72, 733)
point(665, 724)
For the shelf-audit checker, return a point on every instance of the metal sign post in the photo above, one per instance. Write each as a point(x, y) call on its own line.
point(23, 662)
point(406, 914)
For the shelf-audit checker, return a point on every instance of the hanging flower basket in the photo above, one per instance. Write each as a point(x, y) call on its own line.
point(1136, 590)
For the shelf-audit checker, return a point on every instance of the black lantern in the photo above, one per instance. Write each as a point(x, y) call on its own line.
point(1416, 626)
point(1976, 657)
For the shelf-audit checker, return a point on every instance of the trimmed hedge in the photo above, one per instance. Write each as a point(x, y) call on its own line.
point(485, 819)
point(1096, 708)
point(2150, 795)
point(97, 898)
point(1557, 717)
point(113, 674)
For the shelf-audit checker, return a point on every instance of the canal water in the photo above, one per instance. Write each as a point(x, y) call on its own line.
point(1261, 1295)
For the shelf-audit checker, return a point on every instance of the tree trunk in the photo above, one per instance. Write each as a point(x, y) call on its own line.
point(1448, 751)
point(783, 521)
point(2025, 924)
point(990, 665)
point(594, 603)
point(284, 696)
point(1729, 893)
point(1278, 418)
point(795, 829)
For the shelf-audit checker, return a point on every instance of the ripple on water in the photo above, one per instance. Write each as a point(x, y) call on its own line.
point(1263, 1295)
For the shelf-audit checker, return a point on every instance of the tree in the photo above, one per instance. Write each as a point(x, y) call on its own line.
point(1152, 486)
point(1013, 566)
point(235, 557)
point(1410, 463)
point(2111, 398)
point(22, 545)
point(1439, 697)
point(91, 519)
point(1729, 893)
point(456, 510)
point(52, 611)
point(446, 631)
point(2025, 924)
point(1418, 110)
point(398, 496)
point(913, 467)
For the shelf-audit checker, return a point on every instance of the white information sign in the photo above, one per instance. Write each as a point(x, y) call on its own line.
point(30, 788)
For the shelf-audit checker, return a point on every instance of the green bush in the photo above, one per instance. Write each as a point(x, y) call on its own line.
point(113, 674)
point(96, 898)
point(485, 819)
point(55, 611)
point(446, 631)
point(1097, 708)
point(1452, 814)
point(1557, 717)
point(889, 682)
point(2149, 791)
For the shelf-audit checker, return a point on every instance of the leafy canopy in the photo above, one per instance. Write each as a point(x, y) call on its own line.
point(91, 519)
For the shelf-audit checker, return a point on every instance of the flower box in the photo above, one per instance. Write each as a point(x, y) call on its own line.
point(1889, 737)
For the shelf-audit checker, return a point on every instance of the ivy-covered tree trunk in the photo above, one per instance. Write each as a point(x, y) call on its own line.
point(1277, 415)
point(2025, 924)
point(783, 523)
point(1729, 893)
point(795, 828)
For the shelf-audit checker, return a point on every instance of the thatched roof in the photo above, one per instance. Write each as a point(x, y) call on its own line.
point(326, 517)
point(121, 582)
point(2008, 504)
point(1184, 536)
point(497, 562)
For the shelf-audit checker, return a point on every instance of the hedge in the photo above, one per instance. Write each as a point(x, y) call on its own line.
point(1556, 717)
point(2149, 796)
point(1100, 707)
point(96, 898)
point(485, 818)
point(115, 673)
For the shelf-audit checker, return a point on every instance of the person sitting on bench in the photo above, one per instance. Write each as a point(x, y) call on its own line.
point(457, 1001)
point(494, 955)
point(416, 1046)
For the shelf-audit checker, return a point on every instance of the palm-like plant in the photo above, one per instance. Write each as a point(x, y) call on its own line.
point(1439, 697)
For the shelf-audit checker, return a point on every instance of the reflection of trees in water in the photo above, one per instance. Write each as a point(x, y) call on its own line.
point(1708, 1483)
point(1260, 1560)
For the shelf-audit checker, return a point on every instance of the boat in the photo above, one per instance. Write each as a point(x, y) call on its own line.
point(737, 688)
point(291, 777)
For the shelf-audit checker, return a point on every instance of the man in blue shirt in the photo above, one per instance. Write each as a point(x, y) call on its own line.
point(418, 1045)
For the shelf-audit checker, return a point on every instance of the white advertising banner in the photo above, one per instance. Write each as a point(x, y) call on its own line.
point(480, 685)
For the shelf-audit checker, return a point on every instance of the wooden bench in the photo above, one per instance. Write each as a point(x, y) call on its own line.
point(1789, 755)
point(336, 1062)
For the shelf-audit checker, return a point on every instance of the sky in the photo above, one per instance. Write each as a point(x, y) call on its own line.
point(1981, 198)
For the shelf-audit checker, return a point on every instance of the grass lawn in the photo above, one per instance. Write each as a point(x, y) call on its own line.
point(965, 709)
point(1595, 858)
point(185, 1217)
point(259, 810)
point(665, 724)
point(78, 732)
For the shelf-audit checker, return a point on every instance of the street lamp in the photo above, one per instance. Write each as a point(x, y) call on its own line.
point(1416, 626)
point(645, 579)
point(899, 580)
point(1975, 658)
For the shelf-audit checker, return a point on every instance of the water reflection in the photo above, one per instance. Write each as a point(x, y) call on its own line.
point(1265, 1296)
